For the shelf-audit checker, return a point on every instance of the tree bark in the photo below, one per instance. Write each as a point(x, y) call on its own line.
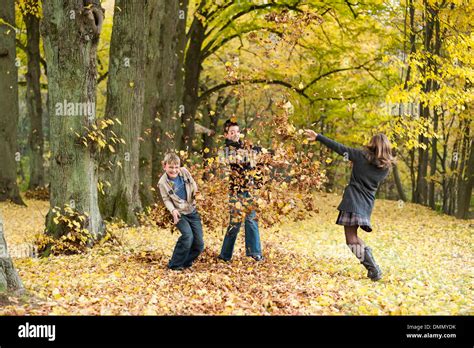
point(192, 67)
point(166, 129)
point(451, 186)
point(155, 12)
point(125, 99)
point(9, 113)
point(421, 191)
point(9, 279)
point(33, 99)
point(434, 141)
point(466, 181)
point(211, 121)
point(398, 184)
point(433, 164)
point(71, 32)
point(164, 88)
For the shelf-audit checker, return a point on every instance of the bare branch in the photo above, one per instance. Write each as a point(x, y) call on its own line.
point(20, 45)
point(361, 66)
point(251, 81)
point(207, 51)
point(251, 8)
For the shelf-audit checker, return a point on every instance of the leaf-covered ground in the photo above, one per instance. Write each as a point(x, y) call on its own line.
point(426, 258)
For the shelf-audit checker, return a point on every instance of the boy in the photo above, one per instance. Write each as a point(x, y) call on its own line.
point(242, 178)
point(178, 190)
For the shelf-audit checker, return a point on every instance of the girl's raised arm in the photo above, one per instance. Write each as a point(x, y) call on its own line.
point(348, 152)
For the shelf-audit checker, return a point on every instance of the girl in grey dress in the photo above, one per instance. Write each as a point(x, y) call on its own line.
point(371, 165)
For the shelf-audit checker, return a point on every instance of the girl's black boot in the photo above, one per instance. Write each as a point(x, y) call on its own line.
point(374, 271)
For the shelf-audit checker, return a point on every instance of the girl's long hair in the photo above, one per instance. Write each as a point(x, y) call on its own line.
point(379, 152)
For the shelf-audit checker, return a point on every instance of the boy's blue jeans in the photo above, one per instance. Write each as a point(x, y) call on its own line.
point(190, 244)
point(252, 235)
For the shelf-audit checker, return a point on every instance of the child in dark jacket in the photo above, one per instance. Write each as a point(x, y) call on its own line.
point(370, 166)
point(244, 176)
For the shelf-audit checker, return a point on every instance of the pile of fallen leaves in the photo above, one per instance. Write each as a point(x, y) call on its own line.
point(308, 270)
point(39, 193)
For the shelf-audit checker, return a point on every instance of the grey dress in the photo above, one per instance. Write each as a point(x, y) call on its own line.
point(359, 195)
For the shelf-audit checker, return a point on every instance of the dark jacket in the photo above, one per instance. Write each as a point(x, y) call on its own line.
point(359, 195)
point(243, 172)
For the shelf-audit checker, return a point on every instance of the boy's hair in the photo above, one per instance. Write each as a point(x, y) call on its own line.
point(229, 123)
point(171, 158)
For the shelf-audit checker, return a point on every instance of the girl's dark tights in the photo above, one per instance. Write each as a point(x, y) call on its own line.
point(353, 241)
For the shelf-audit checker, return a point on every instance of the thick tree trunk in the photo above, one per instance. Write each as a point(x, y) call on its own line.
point(9, 112)
point(164, 88)
point(9, 279)
point(71, 32)
point(192, 67)
point(155, 12)
point(167, 130)
point(33, 100)
point(125, 98)
point(466, 183)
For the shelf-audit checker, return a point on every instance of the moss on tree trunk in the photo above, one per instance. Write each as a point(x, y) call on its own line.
point(71, 32)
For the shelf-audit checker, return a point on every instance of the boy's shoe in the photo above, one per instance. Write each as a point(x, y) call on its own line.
point(223, 259)
point(257, 257)
point(179, 268)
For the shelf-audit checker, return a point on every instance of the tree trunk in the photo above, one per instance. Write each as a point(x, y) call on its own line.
point(421, 189)
point(433, 164)
point(466, 182)
point(435, 86)
point(451, 187)
point(9, 101)
point(71, 32)
point(192, 67)
point(155, 10)
point(161, 128)
point(398, 184)
point(166, 130)
point(211, 121)
point(9, 279)
point(421, 192)
point(125, 99)
point(33, 100)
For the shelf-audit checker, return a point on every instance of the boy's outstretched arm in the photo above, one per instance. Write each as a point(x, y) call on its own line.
point(333, 145)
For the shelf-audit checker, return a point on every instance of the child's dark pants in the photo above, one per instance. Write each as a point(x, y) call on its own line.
point(190, 244)
point(252, 235)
